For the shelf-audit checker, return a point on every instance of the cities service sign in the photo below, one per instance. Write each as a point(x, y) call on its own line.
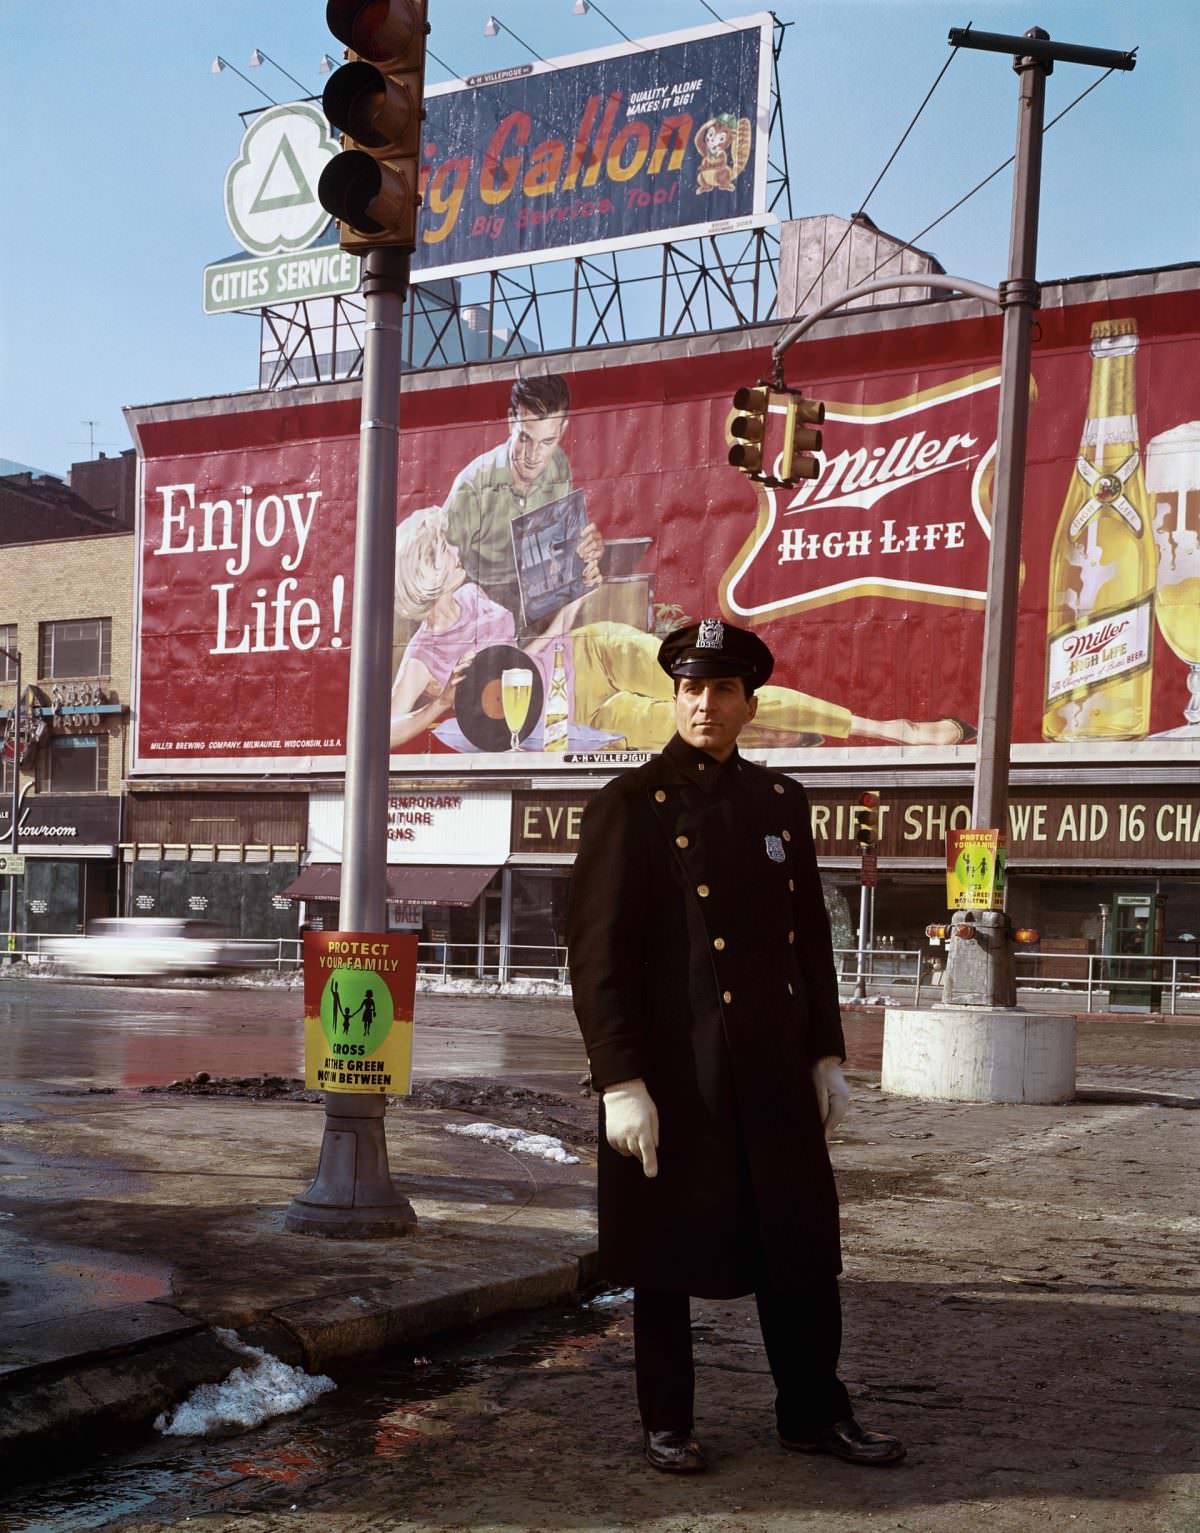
point(272, 208)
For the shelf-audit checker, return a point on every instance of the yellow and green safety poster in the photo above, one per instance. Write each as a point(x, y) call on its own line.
point(358, 1008)
point(975, 869)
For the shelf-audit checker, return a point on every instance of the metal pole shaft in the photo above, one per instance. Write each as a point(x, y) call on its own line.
point(16, 770)
point(353, 1194)
point(363, 904)
point(860, 979)
point(1019, 296)
point(982, 972)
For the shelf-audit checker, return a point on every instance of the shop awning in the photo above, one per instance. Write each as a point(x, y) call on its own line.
point(416, 884)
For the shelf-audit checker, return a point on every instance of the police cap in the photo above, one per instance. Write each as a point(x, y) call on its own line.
point(713, 647)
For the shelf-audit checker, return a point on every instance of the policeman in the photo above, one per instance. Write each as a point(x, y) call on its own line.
point(705, 989)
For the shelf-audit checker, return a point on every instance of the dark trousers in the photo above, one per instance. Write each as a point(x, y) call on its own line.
point(802, 1336)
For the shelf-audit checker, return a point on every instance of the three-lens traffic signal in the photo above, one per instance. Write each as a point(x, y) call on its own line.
point(866, 827)
point(375, 102)
point(749, 430)
point(800, 440)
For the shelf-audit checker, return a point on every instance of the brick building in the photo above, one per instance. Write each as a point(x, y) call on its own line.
point(66, 605)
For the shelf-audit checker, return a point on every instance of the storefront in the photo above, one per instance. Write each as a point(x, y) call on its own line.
point(217, 856)
point(69, 842)
point(446, 848)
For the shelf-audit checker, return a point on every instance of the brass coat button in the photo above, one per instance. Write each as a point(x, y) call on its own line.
point(779, 787)
point(719, 944)
point(681, 841)
point(791, 936)
point(727, 996)
point(660, 797)
point(787, 835)
point(792, 885)
point(790, 990)
point(702, 891)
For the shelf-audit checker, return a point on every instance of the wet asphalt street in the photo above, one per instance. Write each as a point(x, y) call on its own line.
point(124, 1036)
point(113, 1036)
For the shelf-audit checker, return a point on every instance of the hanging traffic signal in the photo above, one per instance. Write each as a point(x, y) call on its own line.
point(799, 439)
point(866, 827)
point(375, 102)
point(749, 429)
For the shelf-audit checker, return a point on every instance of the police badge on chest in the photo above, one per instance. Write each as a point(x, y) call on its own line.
point(775, 849)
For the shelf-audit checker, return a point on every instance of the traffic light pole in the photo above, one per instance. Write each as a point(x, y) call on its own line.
point(15, 657)
point(353, 1196)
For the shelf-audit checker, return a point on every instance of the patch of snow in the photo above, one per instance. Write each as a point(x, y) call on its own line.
point(435, 984)
point(542, 1145)
point(249, 1396)
point(602, 1300)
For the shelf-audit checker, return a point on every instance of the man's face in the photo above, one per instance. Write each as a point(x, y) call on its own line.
point(711, 711)
point(531, 445)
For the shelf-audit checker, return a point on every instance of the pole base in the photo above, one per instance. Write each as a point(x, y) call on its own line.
point(352, 1197)
point(361, 1222)
point(979, 1054)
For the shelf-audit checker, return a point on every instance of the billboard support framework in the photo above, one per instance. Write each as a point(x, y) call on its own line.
point(700, 283)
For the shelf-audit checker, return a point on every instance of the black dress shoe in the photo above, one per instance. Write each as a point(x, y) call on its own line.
point(847, 1440)
point(675, 1453)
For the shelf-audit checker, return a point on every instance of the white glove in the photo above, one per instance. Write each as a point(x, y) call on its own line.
point(833, 1094)
point(631, 1122)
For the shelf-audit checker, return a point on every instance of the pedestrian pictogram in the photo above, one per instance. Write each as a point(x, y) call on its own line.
point(358, 1005)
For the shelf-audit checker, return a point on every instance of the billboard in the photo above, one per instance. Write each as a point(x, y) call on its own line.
point(662, 139)
point(552, 526)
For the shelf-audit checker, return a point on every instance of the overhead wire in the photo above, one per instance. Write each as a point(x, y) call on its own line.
point(875, 184)
point(991, 176)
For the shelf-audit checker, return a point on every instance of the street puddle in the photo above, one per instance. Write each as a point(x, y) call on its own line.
point(407, 1403)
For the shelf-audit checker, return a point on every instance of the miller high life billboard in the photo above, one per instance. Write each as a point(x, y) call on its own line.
point(552, 526)
point(661, 139)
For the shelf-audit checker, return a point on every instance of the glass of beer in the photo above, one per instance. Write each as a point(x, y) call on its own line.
point(1173, 480)
point(516, 690)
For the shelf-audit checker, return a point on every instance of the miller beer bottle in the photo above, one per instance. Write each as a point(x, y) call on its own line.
point(554, 733)
point(1100, 615)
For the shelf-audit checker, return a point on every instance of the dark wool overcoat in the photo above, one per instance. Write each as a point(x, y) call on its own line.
point(701, 961)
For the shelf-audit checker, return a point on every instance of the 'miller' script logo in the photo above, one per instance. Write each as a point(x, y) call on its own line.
point(1088, 643)
point(901, 508)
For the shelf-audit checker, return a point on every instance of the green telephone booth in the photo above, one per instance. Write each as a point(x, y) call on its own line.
point(1136, 933)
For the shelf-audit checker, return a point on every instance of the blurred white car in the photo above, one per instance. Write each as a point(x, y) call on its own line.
point(156, 945)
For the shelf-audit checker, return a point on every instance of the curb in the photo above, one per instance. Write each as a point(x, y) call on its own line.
point(78, 1406)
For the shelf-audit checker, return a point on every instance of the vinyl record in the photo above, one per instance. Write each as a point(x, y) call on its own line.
point(479, 703)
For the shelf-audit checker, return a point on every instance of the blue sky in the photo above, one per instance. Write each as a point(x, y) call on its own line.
point(118, 138)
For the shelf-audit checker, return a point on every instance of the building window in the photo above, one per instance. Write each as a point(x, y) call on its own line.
point(74, 764)
point(8, 641)
point(81, 647)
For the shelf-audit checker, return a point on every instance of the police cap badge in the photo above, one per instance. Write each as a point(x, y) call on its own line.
point(715, 648)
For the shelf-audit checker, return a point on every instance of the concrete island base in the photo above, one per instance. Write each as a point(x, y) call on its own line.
point(979, 1054)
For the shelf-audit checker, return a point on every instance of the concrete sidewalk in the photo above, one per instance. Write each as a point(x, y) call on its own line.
point(134, 1225)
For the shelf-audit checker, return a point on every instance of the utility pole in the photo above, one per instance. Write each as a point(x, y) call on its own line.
point(980, 972)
